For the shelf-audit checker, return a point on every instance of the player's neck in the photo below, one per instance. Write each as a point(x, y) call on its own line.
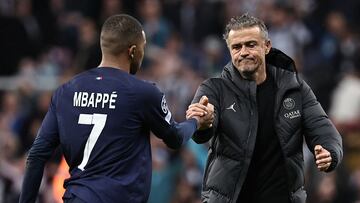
point(115, 63)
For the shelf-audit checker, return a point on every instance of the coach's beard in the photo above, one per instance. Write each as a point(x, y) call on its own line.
point(249, 74)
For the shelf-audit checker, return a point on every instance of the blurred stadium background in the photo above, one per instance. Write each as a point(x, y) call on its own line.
point(45, 42)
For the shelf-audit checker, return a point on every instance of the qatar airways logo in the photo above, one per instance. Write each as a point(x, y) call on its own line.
point(292, 114)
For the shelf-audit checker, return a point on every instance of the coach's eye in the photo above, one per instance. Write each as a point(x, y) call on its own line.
point(236, 46)
point(251, 44)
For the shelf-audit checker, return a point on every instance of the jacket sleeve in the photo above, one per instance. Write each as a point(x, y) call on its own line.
point(318, 129)
point(208, 89)
point(159, 118)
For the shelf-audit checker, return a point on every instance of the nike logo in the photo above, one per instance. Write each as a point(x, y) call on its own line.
point(231, 107)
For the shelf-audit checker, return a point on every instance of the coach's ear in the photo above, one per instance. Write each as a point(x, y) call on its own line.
point(268, 46)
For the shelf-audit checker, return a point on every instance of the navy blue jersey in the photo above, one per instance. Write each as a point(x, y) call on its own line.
point(102, 120)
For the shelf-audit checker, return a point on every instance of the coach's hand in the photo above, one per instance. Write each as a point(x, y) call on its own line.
point(203, 112)
point(322, 157)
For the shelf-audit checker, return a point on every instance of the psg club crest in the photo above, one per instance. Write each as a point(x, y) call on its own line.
point(164, 106)
point(289, 103)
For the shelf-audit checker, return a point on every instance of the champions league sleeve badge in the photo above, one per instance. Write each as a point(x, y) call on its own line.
point(165, 109)
point(164, 106)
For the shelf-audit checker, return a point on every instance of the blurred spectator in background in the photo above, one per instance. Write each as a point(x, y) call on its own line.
point(11, 162)
point(330, 57)
point(109, 8)
point(166, 169)
point(157, 28)
point(88, 53)
point(345, 112)
point(213, 56)
point(345, 108)
point(287, 32)
point(23, 11)
point(15, 44)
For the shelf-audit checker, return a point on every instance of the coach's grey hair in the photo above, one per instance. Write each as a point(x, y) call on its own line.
point(245, 21)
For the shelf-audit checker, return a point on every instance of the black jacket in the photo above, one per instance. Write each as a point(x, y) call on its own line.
point(297, 115)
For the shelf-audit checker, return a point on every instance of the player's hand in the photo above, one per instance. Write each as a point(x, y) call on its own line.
point(322, 157)
point(203, 112)
point(198, 109)
point(206, 121)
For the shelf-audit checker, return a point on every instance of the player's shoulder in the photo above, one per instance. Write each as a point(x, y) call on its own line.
point(85, 74)
point(72, 81)
point(148, 87)
point(88, 77)
point(147, 83)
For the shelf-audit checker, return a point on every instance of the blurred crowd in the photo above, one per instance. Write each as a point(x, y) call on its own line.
point(43, 43)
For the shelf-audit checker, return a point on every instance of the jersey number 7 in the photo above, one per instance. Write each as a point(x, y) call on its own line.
point(98, 120)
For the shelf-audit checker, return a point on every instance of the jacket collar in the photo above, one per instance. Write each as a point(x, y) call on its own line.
point(283, 69)
point(280, 60)
point(231, 73)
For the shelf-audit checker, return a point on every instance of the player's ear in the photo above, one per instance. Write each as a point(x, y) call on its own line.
point(132, 51)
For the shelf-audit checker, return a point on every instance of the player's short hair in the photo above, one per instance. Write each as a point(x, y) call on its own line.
point(119, 32)
point(245, 21)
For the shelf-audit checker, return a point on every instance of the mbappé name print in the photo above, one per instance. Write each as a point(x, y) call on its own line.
point(94, 99)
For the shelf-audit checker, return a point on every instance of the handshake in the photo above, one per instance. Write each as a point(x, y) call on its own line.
point(203, 112)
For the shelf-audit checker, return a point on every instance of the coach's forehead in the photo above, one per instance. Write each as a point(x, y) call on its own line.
point(245, 35)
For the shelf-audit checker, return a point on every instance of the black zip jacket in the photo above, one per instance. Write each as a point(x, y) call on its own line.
point(297, 115)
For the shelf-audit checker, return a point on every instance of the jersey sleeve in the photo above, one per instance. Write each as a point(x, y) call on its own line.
point(43, 147)
point(161, 123)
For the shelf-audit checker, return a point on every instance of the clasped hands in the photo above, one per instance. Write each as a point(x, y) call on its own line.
point(203, 112)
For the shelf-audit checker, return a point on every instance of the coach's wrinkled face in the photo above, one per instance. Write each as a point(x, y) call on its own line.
point(137, 55)
point(248, 48)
